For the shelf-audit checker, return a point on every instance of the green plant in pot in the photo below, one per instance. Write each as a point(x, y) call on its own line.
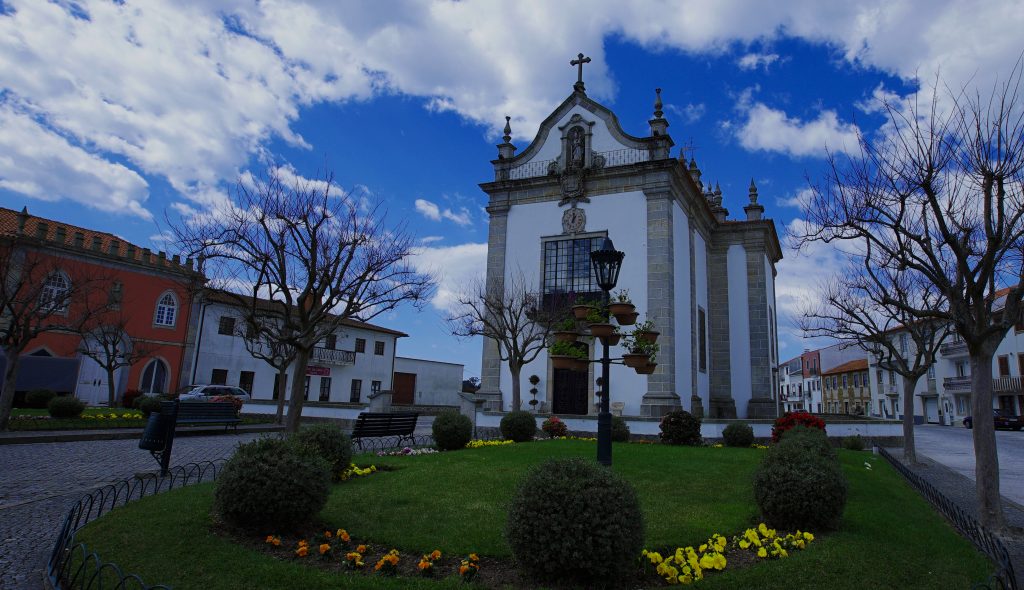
point(597, 315)
point(645, 331)
point(566, 355)
point(641, 353)
point(582, 308)
point(620, 304)
point(565, 330)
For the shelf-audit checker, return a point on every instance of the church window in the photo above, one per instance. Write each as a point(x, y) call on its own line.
point(166, 311)
point(54, 296)
point(154, 378)
point(567, 269)
point(702, 339)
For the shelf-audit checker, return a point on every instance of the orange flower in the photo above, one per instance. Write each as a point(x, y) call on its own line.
point(361, 548)
point(327, 534)
point(270, 538)
point(463, 569)
point(435, 554)
point(303, 543)
point(276, 541)
point(423, 565)
point(343, 535)
point(324, 548)
point(302, 551)
point(473, 557)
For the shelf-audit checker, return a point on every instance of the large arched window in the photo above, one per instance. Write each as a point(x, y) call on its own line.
point(166, 310)
point(54, 296)
point(154, 378)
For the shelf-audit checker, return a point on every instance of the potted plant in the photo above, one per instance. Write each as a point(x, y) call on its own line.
point(565, 355)
point(645, 331)
point(641, 353)
point(602, 330)
point(620, 305)
point(646, 369)
point(565, 330)
point(534, 380)
point(582, 308)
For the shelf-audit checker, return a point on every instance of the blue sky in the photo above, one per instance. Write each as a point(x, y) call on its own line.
point(124, 116)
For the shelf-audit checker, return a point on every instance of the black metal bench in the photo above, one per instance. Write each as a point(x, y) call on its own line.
point(372, 425)
point(158, 436)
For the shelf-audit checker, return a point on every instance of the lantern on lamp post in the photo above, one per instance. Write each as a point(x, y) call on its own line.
point(607, 261)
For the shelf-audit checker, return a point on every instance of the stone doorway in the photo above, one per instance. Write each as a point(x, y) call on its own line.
point(569, 392)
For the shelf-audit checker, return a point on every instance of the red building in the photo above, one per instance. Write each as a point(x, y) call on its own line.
point(145, 295)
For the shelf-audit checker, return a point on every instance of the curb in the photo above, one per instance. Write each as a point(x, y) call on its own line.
point(52, 436)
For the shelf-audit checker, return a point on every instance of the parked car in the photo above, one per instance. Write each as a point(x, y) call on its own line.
point(1002, 420)
point(205, 392)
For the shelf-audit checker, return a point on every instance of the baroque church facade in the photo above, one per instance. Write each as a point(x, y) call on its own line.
point(707, 281)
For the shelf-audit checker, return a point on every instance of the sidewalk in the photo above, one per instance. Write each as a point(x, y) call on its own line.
point(24, 437)
point(961, 490)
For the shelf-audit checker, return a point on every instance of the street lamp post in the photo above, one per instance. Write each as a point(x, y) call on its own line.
point(606, 261)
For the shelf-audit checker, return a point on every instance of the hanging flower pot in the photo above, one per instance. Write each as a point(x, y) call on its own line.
point(581, 311)
point(627, 319)
point(611, 339)
point(602, 330)
point(561, 361)
point(618, 309)
point(580, 365)
point(646, 369)
point(635, 360)
point(566, 336)
point(651, 337)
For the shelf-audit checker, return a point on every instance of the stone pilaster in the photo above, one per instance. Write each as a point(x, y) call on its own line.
point(490, 365)
point(661, 397)
point(696, 404)
point(761, 404)
point(720, 403)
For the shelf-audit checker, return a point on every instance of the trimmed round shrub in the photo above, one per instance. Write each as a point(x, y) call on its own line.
point(39, 398)
point(797, 488)
point(452, 431)
point(328, 442)
point(738, 434)
point(574, 521)
point(271, 484)
point(554, 427)
point(519, 426)
point(680, 428)
point(853, 443)
point(147, 404)
point(620, 430)
point(65, 406)
point(810, 439)
point(791, 420)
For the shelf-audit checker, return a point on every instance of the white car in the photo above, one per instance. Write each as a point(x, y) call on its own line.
point(205, 392)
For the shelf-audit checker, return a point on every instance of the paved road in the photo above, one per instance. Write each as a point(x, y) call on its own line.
point(954, 448)
point(39, 482)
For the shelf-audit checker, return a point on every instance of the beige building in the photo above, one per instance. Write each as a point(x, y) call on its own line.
point(846, 388)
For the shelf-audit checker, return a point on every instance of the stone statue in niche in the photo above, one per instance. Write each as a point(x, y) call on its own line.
point(577, 148)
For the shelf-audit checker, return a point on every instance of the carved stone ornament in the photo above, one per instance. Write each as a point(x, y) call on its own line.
point(574, 221)
point(572, 183)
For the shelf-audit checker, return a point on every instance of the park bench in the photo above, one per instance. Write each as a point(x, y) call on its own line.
point(373, 424)
point(158, 436)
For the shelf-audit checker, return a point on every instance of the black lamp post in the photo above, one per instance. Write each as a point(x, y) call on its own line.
point(607, 261)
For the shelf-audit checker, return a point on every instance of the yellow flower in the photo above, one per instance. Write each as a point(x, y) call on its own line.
point(473, 557)
point(762, 552)
point(744, 544)
point(808, 537)
point(707, 561)
point(761, 528)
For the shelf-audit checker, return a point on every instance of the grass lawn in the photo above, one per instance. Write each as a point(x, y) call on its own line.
point(456, 502)
point(93, 423)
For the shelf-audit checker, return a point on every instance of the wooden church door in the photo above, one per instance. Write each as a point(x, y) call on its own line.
point(569, 392)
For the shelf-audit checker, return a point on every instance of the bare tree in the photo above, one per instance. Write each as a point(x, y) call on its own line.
point(267, 339)
point(940, 194)
point(105, 340)
point(512, 317)
point(39, 293)
point(854, 309)
point(314, 255)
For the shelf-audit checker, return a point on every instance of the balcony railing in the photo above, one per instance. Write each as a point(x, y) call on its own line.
point(599, 160)
point(953, 349)
point(960, 384)
point(334, 357)
point(1007, 385)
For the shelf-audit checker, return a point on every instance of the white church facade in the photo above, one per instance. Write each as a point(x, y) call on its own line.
point(705, 280)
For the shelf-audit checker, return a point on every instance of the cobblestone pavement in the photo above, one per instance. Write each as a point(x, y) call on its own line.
point(39, 483)
point(954, 448)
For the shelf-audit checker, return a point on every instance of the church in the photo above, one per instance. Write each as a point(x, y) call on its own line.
point(705, 279)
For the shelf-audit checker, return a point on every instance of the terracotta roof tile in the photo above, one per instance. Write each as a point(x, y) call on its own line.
point(855, 365)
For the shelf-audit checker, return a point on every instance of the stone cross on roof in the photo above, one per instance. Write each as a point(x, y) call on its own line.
point(579, 61)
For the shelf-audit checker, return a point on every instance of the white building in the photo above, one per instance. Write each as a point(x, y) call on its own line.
point(791, 387)
point(426, 383)
point(705, 280)
point(346, 367)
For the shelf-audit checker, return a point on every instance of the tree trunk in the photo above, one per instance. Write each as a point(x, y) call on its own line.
point(990, 507)
point(291, 423)
point(111, 389)
point(10, 382)
point(515, 369)
point(282, 388)
point(909, 448)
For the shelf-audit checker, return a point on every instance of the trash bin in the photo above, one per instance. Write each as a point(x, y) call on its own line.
point(154, 437)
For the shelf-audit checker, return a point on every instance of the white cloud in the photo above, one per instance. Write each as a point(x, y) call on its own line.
point(772, 130)
point(752, 61)
point(799, 199)
point(433, 212)
point(455, 267)
point(690, 112)
point(430, 239)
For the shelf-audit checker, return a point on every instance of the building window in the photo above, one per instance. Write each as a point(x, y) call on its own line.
point(374, 387)
point(55, 294)
point(879, 371)
point(219, 377)
point(903, 343)
point(568, 270)
point(116, 295)
point(378, 348)
point(360, 344)
point(931, 372)
point(357, 389)
point(278, 385)
point(325, 389)
point(856, 380)
point(306, 395)
point(1004, 365)
point(166, 311)
point(331, 341)
point(245, 379)
point(702, 340)
point(892, 377)
point(154, 377)
point(226, 325)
